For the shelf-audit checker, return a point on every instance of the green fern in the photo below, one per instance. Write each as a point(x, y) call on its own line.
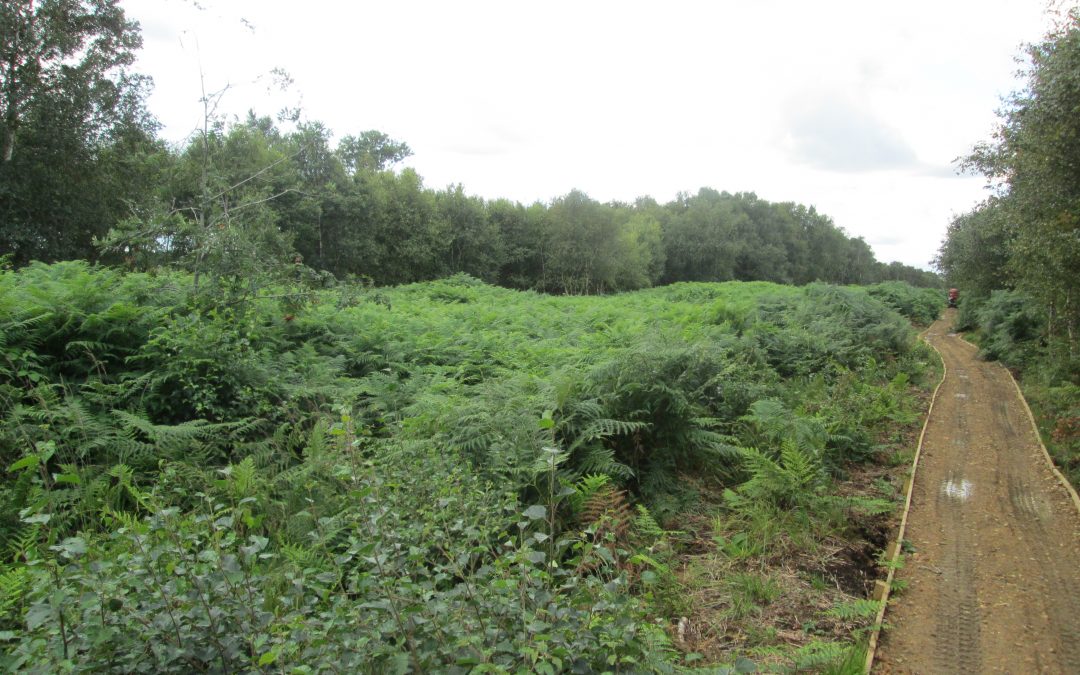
point(586, 487)
point(15, 584)
point(794, 481)
point(241, 479)
point(646, 525)
point(855, 609)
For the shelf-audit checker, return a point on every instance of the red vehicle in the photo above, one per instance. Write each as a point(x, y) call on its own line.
point(954, 295)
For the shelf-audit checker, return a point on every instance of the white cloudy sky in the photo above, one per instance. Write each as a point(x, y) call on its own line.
point(858, 108)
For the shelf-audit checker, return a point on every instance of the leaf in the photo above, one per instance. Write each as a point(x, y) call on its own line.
point(72, 547)
point(399, 664)
point(535, 512)
point(37, 615)
point(269, 657)
point(30, 461)
point(257, 545)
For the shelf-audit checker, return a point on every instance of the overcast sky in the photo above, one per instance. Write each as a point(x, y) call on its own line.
point(858, 108)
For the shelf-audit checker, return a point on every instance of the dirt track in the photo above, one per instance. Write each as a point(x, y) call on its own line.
point(993, 583)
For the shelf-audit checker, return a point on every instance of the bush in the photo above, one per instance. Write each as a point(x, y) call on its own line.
point(179, 501)
point(1011, 328)
point(920, 305)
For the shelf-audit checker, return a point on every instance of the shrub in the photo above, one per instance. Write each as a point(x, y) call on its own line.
point(1011, 327)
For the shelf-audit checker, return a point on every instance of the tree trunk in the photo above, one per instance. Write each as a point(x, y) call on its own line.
point(9, 143)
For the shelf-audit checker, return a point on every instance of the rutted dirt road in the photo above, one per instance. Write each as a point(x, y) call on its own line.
point(993, 582)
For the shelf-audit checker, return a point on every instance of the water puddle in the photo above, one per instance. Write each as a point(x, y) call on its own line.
point(960, 490)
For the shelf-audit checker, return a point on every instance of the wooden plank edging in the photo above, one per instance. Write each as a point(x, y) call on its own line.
point(1035, 428)
point(884, 588)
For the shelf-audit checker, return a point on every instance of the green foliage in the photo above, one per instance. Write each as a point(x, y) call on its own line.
point(856, 609)
point(1031, 226)
point(833, 658)
point(1016, 255)
point(921, 305)
point(401, 477)
point(795, 480)
point(787, 485)
point(1011, 326)
point(393, 579)
point(76, 144)
point(832, 327)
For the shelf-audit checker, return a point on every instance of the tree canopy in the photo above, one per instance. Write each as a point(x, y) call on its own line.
point(76, 144)
point(1027, 236)
point(84, 176)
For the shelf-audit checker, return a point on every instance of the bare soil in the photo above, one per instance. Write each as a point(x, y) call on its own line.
point(993, 582)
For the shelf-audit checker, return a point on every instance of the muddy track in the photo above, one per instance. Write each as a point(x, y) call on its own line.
point(993, 582)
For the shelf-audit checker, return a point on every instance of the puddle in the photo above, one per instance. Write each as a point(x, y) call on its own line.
point(959, 490)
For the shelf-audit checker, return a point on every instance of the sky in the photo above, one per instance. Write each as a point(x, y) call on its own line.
point(857, 108)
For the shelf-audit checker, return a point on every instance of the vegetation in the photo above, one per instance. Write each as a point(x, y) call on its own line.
point(235, 486)
point(1016, 255)
point(83, 176)
point(269, 404)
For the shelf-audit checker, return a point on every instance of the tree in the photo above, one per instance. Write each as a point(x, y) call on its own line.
point(61, 49)
point(522, 233)
point(215, 213)
point(402, 236)
point(313, 213)
point(699, 237)
point(371, 151)
point(1032, 162)
point(975, 252)
point(476, 244)
point(76, 143)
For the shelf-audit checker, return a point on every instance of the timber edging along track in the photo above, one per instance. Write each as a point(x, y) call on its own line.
point(1038, 435)
point(883, 588)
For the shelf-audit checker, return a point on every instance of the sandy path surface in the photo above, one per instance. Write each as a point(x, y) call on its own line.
point(993, 582)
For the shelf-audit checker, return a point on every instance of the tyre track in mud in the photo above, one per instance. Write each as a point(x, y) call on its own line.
point(993, 583)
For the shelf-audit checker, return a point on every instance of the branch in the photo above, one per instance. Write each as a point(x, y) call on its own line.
point(256, 175)
point(264, 200)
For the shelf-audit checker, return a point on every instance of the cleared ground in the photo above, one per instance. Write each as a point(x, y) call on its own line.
point(993, 580)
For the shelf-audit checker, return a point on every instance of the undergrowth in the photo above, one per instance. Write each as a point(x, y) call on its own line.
point(1009, 327)
point(444, 476)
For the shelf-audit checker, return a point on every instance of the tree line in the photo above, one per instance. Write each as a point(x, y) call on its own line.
point(1025, 238)
point(85, 176)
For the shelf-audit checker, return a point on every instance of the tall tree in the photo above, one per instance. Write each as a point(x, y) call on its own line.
point(372, 151)
point(76, 143)
point(700, 237)
point(1033, 163)
point(476, 243)
point(70, 48)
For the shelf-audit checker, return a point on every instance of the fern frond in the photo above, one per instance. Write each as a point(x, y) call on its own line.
point(858, 608)
point(608, 514)
point(598, 459)
point(15, 584)
point(646, 525)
